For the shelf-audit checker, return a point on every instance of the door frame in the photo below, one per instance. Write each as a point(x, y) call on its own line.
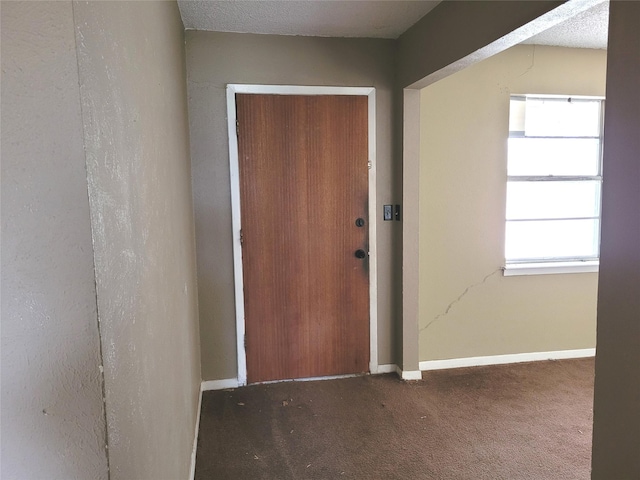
point(234, 172)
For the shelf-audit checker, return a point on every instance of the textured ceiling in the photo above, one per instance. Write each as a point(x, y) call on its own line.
point(586, 30)
point(362, 18)
point(322, 18)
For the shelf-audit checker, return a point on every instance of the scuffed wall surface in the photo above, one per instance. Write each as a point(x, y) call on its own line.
point(52, 418)
point(133, 92)
point(467, 307)
point(217, 59)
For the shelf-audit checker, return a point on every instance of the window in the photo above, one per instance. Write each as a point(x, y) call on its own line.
point(554, 179)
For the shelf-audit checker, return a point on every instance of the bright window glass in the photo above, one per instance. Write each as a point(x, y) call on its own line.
point(561, 117)
point(544, 240)
point(553, 156)
point(554, 179)
point(552, 200)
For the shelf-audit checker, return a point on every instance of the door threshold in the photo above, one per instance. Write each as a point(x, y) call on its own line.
point(311, 379)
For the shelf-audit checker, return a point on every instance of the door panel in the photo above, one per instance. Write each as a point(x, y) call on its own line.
point(303, 164)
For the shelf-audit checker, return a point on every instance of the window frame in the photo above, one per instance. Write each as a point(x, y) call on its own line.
point(553, 265)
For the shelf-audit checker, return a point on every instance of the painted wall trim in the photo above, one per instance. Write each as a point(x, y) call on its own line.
point(192, 471)
point(220, 384)
point(409, 374)
point(236, 222)
point(225, 383)
point(550, 268)
point(428, 365)
point(235, 231)
point(411, 134)
point(505, 359)
point(373, 239)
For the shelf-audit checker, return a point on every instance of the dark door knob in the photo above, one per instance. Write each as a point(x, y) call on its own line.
point(360, 222)
point(361, 253)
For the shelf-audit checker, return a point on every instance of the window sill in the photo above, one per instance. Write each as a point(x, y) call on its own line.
point(550, 268)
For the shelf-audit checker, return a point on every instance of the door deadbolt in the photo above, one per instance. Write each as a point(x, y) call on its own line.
point(360, 222)
point(360, 253)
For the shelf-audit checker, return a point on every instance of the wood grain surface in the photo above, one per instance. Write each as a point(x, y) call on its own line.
point(304, 183)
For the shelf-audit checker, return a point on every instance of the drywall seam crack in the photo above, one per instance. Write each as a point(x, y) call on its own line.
point(533, 62)
point(91, 219)
point(459, 298)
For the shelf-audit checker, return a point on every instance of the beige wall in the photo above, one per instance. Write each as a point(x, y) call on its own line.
point(52, 418)
point(467, 308)
point(133, 94)
point(213, 61)
point(453, 36)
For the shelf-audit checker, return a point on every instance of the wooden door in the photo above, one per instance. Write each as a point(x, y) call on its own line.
point(303, 164)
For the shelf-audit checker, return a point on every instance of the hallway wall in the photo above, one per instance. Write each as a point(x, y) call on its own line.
point(134, 103)
point(96, 92)
point(52, 419)
point(213, 61)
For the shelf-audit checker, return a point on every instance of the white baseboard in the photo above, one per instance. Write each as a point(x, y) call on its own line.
point(386, 368)
point(409, 374)
point(192, 471)
point(233, 382)
point(504, 359)
point(220, 384)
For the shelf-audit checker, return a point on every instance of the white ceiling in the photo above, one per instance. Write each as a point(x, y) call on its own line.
point(321, 18)
point(361, 18)
point(586, 30)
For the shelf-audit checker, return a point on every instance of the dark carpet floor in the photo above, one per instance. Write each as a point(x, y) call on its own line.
point(524, 421)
